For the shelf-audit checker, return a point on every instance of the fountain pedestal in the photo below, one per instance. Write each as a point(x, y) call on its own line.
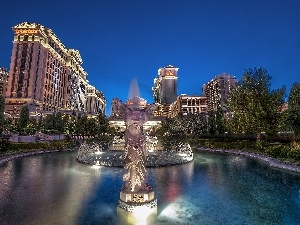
point(137, 207)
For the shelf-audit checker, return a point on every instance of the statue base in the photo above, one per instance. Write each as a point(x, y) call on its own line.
point(137, 207)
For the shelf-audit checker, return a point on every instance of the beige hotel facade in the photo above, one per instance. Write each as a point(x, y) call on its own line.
point(47, 77)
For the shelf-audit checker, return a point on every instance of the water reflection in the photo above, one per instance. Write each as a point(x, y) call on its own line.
point(213, 189)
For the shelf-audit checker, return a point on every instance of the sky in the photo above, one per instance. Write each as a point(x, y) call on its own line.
point(123, 40)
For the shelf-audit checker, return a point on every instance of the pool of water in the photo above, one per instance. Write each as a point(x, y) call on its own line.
point(54, 188)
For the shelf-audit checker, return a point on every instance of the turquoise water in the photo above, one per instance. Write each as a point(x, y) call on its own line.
point(214, 189)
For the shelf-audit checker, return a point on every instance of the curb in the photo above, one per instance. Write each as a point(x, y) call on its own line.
point(271, 161)
point(9, 157)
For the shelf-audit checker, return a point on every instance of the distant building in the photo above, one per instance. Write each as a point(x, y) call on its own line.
point(284, 107)
point(165, 88)
point(160, 110)
point(95, 102)
point(45, 75)
point(165, 85)
point(217, 90)
point(188, 105)
point(3, 80)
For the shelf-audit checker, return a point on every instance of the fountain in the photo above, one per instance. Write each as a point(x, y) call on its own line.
point(136, 196)
point(155, 154)
point(136, 200)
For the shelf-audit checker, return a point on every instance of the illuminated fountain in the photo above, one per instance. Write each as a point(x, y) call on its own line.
point(135, 151)
point(136, 196)
point(111, 154)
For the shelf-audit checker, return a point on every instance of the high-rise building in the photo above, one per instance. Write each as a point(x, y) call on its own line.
point(165, 89)
point(217, 90)
point(44, 74)
point(3, 80)
point(165, 85)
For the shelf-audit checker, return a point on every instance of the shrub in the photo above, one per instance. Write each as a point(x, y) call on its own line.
point(295, 145)
point(274, 151)
point(42, 145)
point(4, 145)
point(294, 154)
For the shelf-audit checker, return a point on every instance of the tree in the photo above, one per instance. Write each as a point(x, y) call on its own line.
point(103, 125)
point(31, 127)
point(49, 123)
point(2, 104)
point(187, 125)
point(253, 106)
point(79, 128)
point(216, 122)
point(164, 128)
point(220, 121)
point(294, 108)
point(24, 119)
point(72, 123)
point(199, 124)
point(58, 122)
point(66, 124)
point(212, 124)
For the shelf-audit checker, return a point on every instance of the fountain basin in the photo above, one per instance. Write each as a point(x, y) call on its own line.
point(153, 159)
point(53, 188)
point(93, 154)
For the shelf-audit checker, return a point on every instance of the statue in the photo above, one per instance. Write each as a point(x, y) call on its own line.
point(136, 195)
point(135, 145)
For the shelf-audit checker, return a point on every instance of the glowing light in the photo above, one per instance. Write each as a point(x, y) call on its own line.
point(98, 152)
point(138, 215)
point(97, 165)
point(169, 211)
point(97, 169)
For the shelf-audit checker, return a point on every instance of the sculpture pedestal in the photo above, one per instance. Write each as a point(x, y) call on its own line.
point(137, 207)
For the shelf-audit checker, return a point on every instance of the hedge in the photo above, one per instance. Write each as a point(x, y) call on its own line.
point(4, 145)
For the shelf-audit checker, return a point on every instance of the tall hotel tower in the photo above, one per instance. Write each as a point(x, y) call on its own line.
point(44, 74)
point(217, 90)
point(3, 80)
point(165, 85)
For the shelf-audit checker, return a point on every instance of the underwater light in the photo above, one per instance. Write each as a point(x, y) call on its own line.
point(141, 214)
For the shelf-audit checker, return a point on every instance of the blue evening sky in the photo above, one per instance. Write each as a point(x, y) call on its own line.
point(120, 40)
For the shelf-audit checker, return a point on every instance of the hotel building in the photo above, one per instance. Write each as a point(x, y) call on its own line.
point(46, 76)
point(165, 89)
point(217, 90)
point(3, 80)
point(188, 105)
point(95, 102)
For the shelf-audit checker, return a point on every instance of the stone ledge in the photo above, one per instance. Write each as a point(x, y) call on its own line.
point(131, 206)
point(271, 161)
point(6, 158)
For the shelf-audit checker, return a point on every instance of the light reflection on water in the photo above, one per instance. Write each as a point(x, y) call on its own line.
point(213, 189)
